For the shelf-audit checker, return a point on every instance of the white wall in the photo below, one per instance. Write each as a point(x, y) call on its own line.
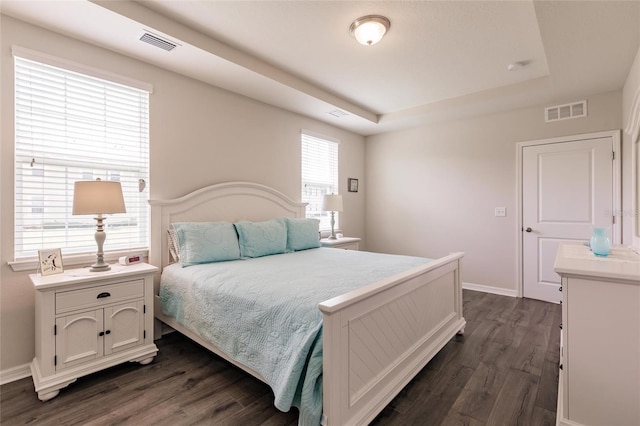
point(433, 189)
point(199, 135)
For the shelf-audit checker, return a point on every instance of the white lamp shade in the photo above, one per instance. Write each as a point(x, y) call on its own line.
point(98, 197)
point(332, 203)
point(369, 30)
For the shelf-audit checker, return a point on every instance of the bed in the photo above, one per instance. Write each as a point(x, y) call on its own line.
point(360, 371)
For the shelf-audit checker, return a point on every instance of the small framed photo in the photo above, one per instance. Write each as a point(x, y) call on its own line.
point(353, 185)
point(50, 261)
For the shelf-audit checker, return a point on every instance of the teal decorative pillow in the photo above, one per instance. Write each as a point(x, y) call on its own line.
point(206, 242)
point(262, 238)
point(302, 234)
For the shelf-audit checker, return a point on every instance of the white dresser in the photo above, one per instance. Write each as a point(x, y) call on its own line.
point(87, 321)
point(599, 380)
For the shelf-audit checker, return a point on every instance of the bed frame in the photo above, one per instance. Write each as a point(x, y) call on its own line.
point(375, 339)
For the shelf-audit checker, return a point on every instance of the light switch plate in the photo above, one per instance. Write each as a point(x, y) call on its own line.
point(501, 211)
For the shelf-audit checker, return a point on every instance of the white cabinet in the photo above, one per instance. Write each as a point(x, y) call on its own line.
point(344, 243)
point(599, 381)
point(87, 321)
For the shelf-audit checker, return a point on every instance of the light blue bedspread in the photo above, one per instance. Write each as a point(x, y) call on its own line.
point(263, 312)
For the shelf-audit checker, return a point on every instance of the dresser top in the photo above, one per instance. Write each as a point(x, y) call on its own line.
point(577, 259)
point(83, 275)
point(340, 240)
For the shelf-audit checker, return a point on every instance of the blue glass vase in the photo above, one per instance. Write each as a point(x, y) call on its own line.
point(600, 242)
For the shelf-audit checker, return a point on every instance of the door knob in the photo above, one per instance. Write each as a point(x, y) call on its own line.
point(528, 229)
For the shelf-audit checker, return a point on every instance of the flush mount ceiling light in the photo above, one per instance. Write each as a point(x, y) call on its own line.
point(369, 29)
point(516, 66)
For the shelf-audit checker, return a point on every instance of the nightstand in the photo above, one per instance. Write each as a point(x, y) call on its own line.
point(88, 321)
point(345, 243)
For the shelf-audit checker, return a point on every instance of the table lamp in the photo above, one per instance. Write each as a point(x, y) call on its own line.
point(332, 203)
point(98, 197)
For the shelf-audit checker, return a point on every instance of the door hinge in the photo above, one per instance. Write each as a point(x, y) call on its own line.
point(614, 219)
point(55, 360)
point(613, 155)
point(55, 329)
point(144, 309)
point(144, 334)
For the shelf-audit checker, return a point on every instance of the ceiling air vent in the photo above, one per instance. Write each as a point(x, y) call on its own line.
point(158, 42)
point(337, 113)
point(565, 112)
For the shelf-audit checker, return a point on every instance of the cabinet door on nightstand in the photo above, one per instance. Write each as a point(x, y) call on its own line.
point(77, 338)
point(125, 324)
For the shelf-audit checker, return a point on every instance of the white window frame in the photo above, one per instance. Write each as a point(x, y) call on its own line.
point(39, 128)
point(319, 175)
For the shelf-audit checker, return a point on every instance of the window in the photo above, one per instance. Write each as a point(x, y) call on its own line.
point(319, 176)
point(68, 127)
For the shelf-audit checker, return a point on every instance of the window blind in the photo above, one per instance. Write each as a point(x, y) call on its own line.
point(319, 176)
point(68, 127)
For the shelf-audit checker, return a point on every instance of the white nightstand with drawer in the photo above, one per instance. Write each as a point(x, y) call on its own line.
point(345, 243)
point(87, 321)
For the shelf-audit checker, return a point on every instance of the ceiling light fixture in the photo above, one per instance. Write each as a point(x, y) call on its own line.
point(369, 29)
point(516, 66)
point(337, 113)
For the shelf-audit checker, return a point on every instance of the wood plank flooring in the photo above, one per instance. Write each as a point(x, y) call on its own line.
point(503, 371)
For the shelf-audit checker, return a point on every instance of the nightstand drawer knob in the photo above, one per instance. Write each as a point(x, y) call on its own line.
point(107, 332)
point(103, 295)
point(101, 334)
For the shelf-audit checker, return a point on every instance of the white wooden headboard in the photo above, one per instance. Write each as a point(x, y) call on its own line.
point(230, 202)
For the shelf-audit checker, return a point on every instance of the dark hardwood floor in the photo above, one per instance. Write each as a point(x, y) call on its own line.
point(503, 371)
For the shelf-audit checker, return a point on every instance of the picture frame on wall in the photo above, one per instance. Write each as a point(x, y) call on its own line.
point(353, 185)
point(50, 261)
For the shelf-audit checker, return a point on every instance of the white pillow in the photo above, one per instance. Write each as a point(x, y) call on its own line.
point(172, 239)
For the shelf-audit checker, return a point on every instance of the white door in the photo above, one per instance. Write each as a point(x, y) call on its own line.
point(567, 189)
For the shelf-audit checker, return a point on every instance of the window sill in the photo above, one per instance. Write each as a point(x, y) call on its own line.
point(75, 260)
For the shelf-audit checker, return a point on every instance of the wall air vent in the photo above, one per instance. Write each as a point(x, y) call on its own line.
point(565, 112)
point(337, 113)
point(158, 42)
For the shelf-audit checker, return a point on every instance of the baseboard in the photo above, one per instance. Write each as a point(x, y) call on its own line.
point(489, 289)
point(15, 373)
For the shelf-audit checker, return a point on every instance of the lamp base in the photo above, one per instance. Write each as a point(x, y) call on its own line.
point(333, 224)
point(100, 268)
point(100, 235)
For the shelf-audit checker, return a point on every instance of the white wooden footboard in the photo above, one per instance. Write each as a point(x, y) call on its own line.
point(376, 339)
